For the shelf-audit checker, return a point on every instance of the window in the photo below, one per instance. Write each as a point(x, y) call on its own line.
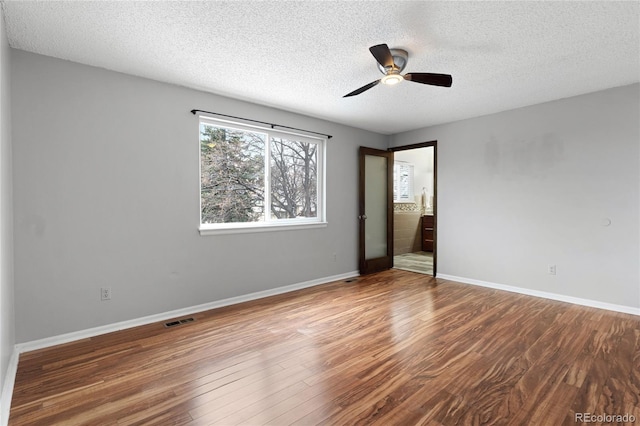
point(403, 182)
point(254, 179)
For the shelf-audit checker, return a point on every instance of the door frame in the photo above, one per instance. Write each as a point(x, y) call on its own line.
point(369, 266)
point(434, 144)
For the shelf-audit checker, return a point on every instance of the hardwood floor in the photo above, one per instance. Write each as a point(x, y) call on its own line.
point(390, 348)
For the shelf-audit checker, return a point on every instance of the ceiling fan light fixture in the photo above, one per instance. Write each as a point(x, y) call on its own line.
point(391, 62)
point(391, 79)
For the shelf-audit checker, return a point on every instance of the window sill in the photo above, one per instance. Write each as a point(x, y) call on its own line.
point(245, 229)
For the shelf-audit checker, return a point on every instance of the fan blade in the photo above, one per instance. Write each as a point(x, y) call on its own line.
point(383, 55)
point(362, 89)
point(444, 80)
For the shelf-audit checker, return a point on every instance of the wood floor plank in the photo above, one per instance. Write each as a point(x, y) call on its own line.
point(389, 348)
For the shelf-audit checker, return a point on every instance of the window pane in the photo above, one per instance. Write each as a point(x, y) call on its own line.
point(402, 182)
point(232, 175)
point(294, 179)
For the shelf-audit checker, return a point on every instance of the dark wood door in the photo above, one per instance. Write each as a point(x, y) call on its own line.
point(375, 214)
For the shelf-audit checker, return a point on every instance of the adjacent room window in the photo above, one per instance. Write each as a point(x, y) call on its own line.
point(403, 182)
point(253, 178)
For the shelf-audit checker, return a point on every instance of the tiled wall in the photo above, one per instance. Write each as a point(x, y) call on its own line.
point(406, 237)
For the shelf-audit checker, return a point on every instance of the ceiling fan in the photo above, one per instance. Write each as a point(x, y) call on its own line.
point(391, 62)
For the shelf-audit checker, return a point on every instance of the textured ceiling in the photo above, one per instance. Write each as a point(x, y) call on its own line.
point(304, 56)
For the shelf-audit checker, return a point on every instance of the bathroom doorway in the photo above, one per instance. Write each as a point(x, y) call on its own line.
point(415, 207)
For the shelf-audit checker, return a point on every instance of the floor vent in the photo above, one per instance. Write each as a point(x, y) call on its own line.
point(178, 322)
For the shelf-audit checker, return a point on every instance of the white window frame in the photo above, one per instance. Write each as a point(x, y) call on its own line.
point(268, 224)
point(398, 165)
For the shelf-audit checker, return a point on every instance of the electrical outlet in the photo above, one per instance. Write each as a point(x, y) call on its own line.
point(105, 293)
point(335, 257)
point(552, 269)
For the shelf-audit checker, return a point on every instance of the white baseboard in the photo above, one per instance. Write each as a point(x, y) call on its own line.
point(7, 388)
point(544, 294)
point(96, 331)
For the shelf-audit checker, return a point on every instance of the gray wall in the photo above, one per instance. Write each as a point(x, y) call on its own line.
point(523, 189)
point(106, 191)
point(106, 194)
point(7, 335)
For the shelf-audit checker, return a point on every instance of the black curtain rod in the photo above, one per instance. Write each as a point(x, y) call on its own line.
point(194, 111)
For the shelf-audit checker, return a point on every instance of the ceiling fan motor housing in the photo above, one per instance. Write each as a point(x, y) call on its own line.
point(400, 58)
